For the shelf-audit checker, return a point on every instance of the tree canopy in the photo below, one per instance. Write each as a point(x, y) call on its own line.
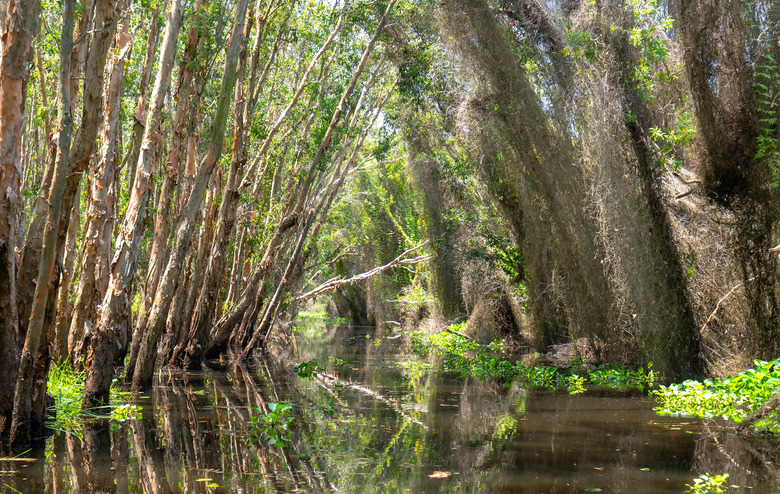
point(178, 178)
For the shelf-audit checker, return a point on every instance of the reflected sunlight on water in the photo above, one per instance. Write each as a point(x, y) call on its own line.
point(366, 424)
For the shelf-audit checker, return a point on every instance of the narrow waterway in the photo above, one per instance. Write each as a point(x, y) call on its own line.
point(375, 420)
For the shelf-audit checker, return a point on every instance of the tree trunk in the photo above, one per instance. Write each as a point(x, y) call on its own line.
point(544, 165)
point(197, 344)
point(99, 31)
point(22, 426)
point(20, 26)
point(63, 310)
point(99, 225)
point(206, 308)
point(261, 333)
point(144, 368)
point(187, 97)
point(209, 215)
point(139, 116)
point(723, 60)
point(115, 310)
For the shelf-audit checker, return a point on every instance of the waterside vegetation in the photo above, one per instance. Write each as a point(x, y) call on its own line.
point(179, 179)
point(462, 354)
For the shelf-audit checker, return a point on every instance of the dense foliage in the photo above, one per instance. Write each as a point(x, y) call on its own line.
point(732, 398)
point(179, 179)
point(471, 359)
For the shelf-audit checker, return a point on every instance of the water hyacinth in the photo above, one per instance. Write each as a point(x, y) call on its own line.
point(471, 359)
point(732, 397)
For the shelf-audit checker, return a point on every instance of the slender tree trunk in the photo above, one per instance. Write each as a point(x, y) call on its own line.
point(98, 30)
point(22, 425)
point(196, 341)
point(196, 280)
point(262, 331)
point(44, 95)
point(20, 25)
point(147, 354)
point(139, 116)
point(115, 310)
point(187, 97)
point(96, 253)
point(63, 310)
point(206, 308)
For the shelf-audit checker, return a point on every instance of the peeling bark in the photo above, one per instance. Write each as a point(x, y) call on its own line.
point(99, 223)
point(115, 310)
point(187, 97)
point(152, 330)
point(20, 26)
point(23, 425)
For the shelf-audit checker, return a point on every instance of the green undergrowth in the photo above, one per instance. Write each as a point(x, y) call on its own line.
point(472, 359)
point(66, 385)
point(731, 398)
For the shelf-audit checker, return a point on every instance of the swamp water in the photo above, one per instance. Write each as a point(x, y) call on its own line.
point(373, 423)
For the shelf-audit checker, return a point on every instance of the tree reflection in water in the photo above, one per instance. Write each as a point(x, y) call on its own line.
point(373, 425)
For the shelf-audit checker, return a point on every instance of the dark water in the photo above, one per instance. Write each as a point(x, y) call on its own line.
point(373, 423)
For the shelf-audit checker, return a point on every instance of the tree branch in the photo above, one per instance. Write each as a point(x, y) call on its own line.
point(334, 283)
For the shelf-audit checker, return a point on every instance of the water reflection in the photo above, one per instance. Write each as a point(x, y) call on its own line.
point(371, 423)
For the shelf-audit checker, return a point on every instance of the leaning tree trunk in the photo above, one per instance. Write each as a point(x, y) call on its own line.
point(147, 354)
point(197, 336)
point(96, 251)
point(63, 310)
point(261, 333)
point(100, 33)
point(544, 163)
point(207, 305)
point(20, 26)
point(187, 97)
point(115, 310)
point(24, 423)
point(139, 115)
point(724, 59)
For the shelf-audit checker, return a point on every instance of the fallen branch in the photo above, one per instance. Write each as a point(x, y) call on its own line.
point(452, 331)
point(686, 182)
point(336, 259)
point(334, 283)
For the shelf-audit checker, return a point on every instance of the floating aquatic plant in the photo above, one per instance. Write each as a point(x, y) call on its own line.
point(732, 397)
point(469, 358)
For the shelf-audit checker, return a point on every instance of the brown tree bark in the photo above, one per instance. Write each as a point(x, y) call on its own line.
point(269, 313)
point(187, 97)
point(99, 224)
point(144, 368)
point(20, 26)
point(723, 58)
point(197, 344)
point(206, 309)
point(139, 116)
point(95, 37)
point(115, 310)
point(24, 424)
point(63, 310)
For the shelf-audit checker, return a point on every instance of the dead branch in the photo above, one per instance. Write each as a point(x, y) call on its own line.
point(723, 298)
point(334, 283)
point(338, 256)
point(452, 331)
